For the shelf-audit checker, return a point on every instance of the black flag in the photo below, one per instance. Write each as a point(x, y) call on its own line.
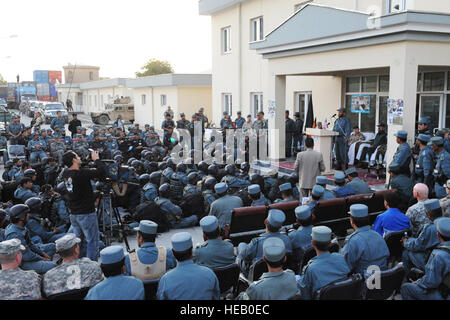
point(310, 114)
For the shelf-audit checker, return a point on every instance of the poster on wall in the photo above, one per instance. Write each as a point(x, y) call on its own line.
point(360, 103)
point(271, 106)
point(395, 111)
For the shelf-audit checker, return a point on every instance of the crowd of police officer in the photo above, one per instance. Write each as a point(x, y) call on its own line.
point(175, 195)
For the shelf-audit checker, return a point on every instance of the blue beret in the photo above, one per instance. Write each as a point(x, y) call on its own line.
point(182, 114)
point(146, 125)
point(350, 171)
point(443, 226)
point(147, 227)
point(35, 134)
point(341, 109)
point(49, 130)
point(285, 186)
point(318, 191)
point(79, 127)
point(321, 180)
point(109, 135)
point(254, 189)
point(321, 234)
point(401, 134)
point(431, 204)
point(181, 241)
point(43, 130)
point(303, 212)
point(424, 137)
point(437, 141)
point(220, 187)
point(152, 127)
point(112, 254)
point(359, 210)
point(339, 176)
point(209, 223)
point(424, 120)
point(83, 129)
point(274, 249)
point(276, 218)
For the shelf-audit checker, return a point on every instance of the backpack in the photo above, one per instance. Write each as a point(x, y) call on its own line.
point(149, 210)
point(176, 186)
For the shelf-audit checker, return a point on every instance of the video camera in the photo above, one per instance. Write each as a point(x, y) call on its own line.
point(116, 172)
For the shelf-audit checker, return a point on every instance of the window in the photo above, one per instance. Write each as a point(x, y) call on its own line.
point(163, 100)
point(143, 99)
point(434, 81)
point(377, 86)
point(95, 100)
point(90, 100)
point(257, 33)
point(353, 84)
point(301, 104)
point(227, 103)
point(102, 102)
point(226, 40)
point(395, 5)
point(91, 75)
point(256, 103)
point(70, 76)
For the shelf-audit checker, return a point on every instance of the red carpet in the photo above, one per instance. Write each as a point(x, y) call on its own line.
point(371, 180)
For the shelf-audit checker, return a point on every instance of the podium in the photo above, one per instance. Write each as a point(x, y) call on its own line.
point(323, 142)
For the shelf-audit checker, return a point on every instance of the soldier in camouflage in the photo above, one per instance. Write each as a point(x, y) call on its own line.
point(416, 213)
point(445, 202)
point(16, 284)
point(74, 272)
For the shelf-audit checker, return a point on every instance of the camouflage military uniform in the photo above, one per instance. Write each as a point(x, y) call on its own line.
point(418, 218)
point(57, 149)
point(72, 275)
point(445, 205)
point(17, 284)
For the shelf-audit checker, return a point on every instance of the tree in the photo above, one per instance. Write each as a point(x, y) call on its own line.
point(154, 67)
point(2, 81)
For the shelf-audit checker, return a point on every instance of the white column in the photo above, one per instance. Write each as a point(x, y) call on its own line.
point(403, 85)
point(277, 135)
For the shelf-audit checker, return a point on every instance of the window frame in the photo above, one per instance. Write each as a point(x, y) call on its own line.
point(260, 100)
point(257, 35)
point(227, 103)
point(163, 99)
point(143, 99)
point(225, 40)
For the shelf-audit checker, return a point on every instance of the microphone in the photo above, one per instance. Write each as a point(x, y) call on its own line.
point(334, 115)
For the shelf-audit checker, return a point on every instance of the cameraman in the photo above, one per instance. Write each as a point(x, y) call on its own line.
point(81, 200)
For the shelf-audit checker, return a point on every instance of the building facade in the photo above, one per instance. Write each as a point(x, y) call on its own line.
point(184, 93)
point(331, 51)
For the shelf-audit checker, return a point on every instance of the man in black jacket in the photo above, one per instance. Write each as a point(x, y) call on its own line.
point(73, 124)
point(298, 133)
point(290, 129)
point(380, 140)
point(81, 200)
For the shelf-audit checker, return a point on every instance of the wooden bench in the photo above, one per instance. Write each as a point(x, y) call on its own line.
point(248, 222)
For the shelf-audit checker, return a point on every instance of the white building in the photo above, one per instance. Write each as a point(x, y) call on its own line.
point(184, 93)
point(289, 51)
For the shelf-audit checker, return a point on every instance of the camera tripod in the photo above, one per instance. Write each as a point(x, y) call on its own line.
point(105, 209)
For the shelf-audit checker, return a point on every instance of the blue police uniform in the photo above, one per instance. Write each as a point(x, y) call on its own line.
point(12, 173)
point(343, 127)
point(119, 287)
point(321, 271)
point(417, 249)
point(442, 168)
point(344, 191)
point(150, 192)
point(31, 257)
point(301, 238)
point(37, 148)
point(57, 123)
point(174, 213)
point(436, 270)
point(36, 229)
point(403, 157)
point(222, 208)
point(4, 146)
point(424, 165)
point(14, 128)
point(391, 220)
point(214, 253)
point(24, 194)
point(188, 281)
point(239, 122)
point(364, 248)
point(359, 186)
point(262, 201)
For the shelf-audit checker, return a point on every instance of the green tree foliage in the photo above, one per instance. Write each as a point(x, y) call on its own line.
point(2, 81)
point(154, 67)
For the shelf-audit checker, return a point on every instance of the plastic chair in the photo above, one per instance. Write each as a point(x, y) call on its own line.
point(228, 277)
point(347, 289)
point(390, 282)
point(150, 288)
point(77, 294)
point(395, 246)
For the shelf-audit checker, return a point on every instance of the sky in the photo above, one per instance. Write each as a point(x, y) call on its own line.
point(116, 35)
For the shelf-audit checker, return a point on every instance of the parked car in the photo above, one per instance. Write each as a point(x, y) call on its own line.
point(50, 111)
point(5, 114)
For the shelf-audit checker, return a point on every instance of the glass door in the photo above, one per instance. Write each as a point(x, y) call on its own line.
point(430, 107)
